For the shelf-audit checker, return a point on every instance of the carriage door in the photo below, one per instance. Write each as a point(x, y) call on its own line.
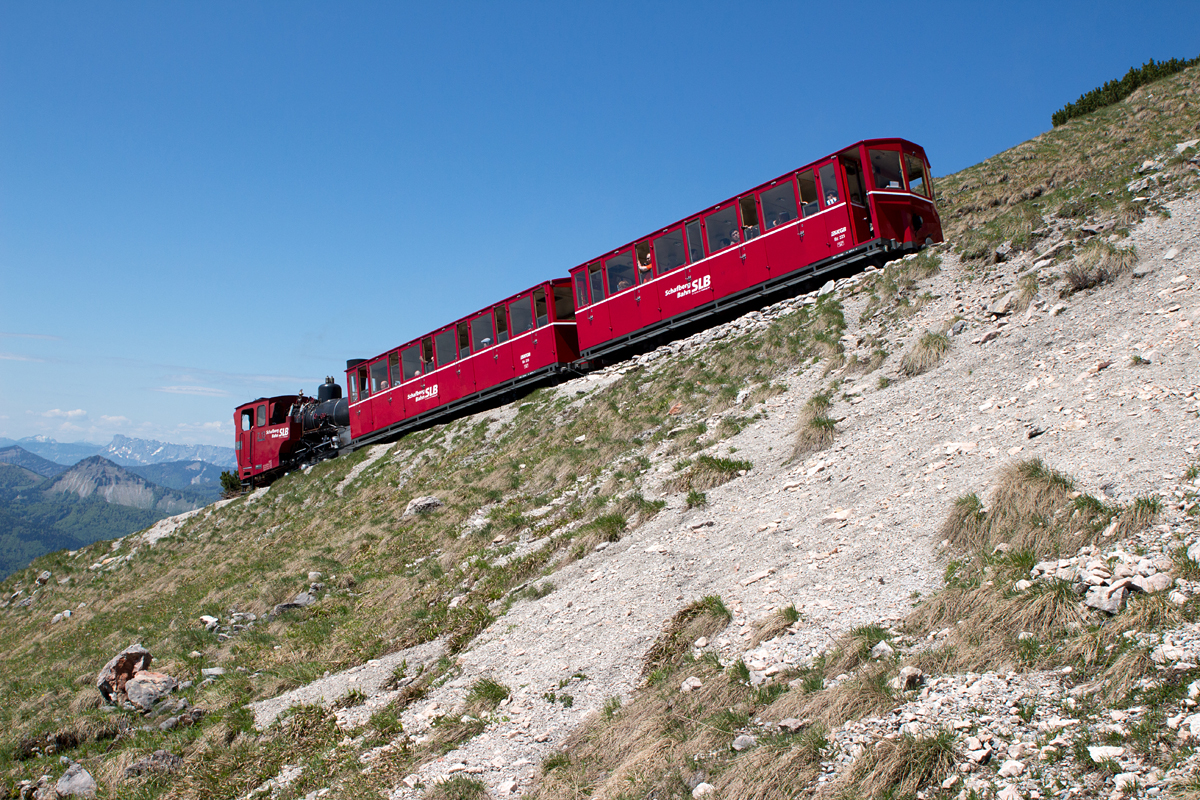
point(835, 208)
point(246, 441)
point(856, 194)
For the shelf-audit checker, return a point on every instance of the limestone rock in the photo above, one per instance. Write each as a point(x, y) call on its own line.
point(123, 666)
point(909, 678)
point(690, 684)
point(1011, 769)
point(703, 790)
point(793, 725)
point(744, 742)
point(76, 782)
point(882, 650)
point(145, 688)
point(422, 505)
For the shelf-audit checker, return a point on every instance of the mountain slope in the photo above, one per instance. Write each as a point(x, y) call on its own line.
point(198, 477)
point(100, 477)
point(19, 456)
point(752, 510)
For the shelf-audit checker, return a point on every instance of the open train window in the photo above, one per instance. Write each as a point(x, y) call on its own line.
point(443, 346)
point(914, 171)
point(808, 192)
point(778, 205)
point(645, 266)
point(410, 362)
point(464, 339)
point(520, 311)
point(427, 355)
point(247, 419)
point(262, 415)
point(668, 250)
point(829, 184)
point(596, 281)
point(695, 241)
point(539, 307)
point(379, 376)
point(501, 324)
point(852, 166)
point(279, 413)
point(749, 211)
point(364, 383)
point(394, 366)
point(621, 275)
point(563, 309)
point(482, 335)
point(581, 297)
point(722, 227)
point(885, 169)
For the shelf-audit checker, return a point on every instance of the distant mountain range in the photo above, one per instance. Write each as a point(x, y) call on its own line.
point(125, 451)
point(93, 500)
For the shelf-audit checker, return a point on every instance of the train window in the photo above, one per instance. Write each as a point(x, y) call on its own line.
point(279, 413)
point(829, 186)
point(914, 171)
point(394, 366)
point(749, 210)
point(808, 192)
point(443, 345)
point(247, 419)
point(379, 376)
point(427, 354)
point(641, 254)
point(778, 205)
point(885, 169)
point(620, 272)
point(521, 313)
point(668, 250)
point(596, 281)
point(695, 240)
point(364, 383)
point(262, 415)
point(852, 167)
point(581, 298)
point(410, 362)
point(563, 310)
point(481, 332)
point(539, 307)
point(501, 324)
point(722, 227)
point(464, 340)
point(353, 389)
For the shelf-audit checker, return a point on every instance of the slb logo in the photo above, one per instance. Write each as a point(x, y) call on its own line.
point(685, 289)
point(423, 394)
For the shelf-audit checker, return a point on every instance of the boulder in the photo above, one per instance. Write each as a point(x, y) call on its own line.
point(422, 505)
point(76, 782)
point(909, 678)
point(123, 666)
point(146, 688)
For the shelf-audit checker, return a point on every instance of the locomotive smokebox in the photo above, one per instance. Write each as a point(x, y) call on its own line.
point(315, 416)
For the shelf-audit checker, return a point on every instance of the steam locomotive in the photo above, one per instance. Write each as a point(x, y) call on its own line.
point(864, 204)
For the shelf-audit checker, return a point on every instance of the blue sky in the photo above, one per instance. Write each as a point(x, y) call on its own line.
point(206, 202)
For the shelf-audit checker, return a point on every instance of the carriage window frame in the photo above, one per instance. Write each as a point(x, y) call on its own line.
point(772, 219)
point(719, 223)
point(247, 418)
point(483, 331)
point(806, 187)
point(595, 273)
point(616, 270)
point(663, 251)
point(830, 192)
point(379, 376)
point(439, 343)
point(694, 235)
point(364, 382)
point(501, 312)
point(541, 315)
point(520, 314)
point(581, 289)
point(922, 186)
point(394, 365)
point(410, 362)
point(879, 158)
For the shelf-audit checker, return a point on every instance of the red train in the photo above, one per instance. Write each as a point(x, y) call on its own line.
point(863, 204)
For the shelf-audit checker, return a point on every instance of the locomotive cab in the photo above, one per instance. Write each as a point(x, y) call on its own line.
point(278, 433)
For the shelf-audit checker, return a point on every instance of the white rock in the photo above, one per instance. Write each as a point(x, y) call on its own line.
point(690, 684)
point(1178, 598)
point(1011, 769)
point(506, 787)
point(1170, 254)
point(1125, 780)
point(882, 650)
point(703, 790)
point(1101, 752)
point(1009, 792)
point(743, 742)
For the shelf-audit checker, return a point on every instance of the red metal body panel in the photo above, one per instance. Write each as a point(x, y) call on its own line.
point(839, 218)
point(265, 435)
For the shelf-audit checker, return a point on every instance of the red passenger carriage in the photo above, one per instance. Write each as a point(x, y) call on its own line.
point(826, 215)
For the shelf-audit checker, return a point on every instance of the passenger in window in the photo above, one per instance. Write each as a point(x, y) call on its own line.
point(644, 266)
point(623, 285)
point(485, 342)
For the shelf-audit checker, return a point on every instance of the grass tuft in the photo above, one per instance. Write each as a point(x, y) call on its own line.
point(926, 354)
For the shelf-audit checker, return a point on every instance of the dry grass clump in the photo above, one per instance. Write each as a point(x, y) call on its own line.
point(816, 430)
point(707, 472)
point(867, 693)
point(1099, 262)
point(900, 768)
point(774, 625)
point(777, 770)
point(1140, 515)
point(704, 617)
point(854, 648)
point(460, 787)
point(926, 354)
